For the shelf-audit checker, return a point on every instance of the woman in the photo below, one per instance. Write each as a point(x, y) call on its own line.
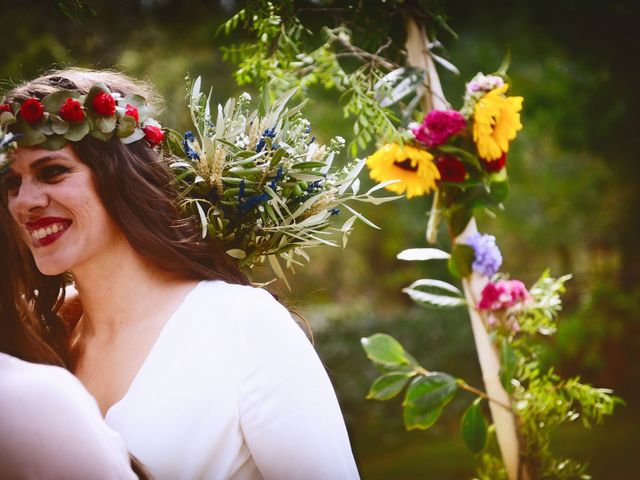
point(50, 427)
point(202, 375)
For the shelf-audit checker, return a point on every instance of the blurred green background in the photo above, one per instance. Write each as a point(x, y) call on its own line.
point(573, 206)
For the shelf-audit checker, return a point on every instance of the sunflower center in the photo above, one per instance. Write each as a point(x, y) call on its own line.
point(406, 165)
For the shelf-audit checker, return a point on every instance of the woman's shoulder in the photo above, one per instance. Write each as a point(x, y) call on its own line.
point(26, 384)
point(247, 310)
point(235, 299)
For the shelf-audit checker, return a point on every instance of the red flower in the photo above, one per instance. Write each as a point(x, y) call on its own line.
point(131, 111)
point(104, 104)
point(503, 294)
point(495, 165)
point(71, 111)
point(32, 110)
point(154, 135)
point(451, 169)
point(5, 107)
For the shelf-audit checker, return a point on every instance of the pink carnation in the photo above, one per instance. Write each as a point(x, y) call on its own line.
point(438, 126)
point(503, 294)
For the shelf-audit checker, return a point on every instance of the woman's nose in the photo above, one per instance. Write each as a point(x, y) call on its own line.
point(30, 198)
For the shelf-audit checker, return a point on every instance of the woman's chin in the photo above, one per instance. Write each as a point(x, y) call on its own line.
point(50, 268)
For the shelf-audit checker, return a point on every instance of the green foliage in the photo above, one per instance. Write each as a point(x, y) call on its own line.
point(279, 56)
point(543, 400)
point(474, 428)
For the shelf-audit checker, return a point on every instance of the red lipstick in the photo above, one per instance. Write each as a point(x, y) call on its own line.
point(40, 237)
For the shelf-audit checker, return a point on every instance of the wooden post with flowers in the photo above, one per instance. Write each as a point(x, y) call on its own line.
point(504, 420)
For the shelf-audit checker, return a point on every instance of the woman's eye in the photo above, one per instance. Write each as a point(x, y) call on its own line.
point(52, 172)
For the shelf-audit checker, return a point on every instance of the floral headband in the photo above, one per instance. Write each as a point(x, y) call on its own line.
point(68, 116)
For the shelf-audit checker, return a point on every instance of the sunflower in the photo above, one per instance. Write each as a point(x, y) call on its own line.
point(496, 121)
point(413, 166)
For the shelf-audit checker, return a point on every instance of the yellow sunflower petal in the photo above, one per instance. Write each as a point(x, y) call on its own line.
point(496, 122)
point(414, 168)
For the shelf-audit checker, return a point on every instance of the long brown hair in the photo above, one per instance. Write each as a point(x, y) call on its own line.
point(135, 185)
point(26, 333)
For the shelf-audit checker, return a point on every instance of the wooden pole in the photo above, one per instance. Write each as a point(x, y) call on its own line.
point(503, 419)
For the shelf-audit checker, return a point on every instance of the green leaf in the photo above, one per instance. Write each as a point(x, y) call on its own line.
point(55, 100)
point(77, 132)
point(508, 364)
point(389, 385)
point(105, 124)
point(439, 295)
point(431, 391)
point(499, 190)
point(54, 142)
point(462, 154)
point(423, 254)
point(29, 136)
point(474, 428)
point(458, 219)
point(426, 398)
point(134, 100)
point(461, 260)
point(415, 418)
point(126, 127)
point(385, 350)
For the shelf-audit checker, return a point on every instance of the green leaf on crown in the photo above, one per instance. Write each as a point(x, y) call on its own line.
point(55, 100)
point(426, 398)
point(134, 100)
point(389, 385)
point(461, 260)
point(29, 136)
point(126, 126)
point(105, 124)
point(6, 119)
point(77, 132)
point(385, 350)
point(474, 427)
point(54, 142)
point(58, 125)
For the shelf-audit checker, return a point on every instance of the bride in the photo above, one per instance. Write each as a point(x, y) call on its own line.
point(201, 374)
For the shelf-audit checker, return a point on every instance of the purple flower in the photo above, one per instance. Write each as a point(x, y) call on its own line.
point(438, 126)
point(487, 259)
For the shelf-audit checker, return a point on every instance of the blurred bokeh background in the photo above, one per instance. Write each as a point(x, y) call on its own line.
point(574, 204)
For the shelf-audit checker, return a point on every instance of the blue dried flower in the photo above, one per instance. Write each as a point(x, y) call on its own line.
point(334, 211)
point(186, 144)
point(487, 259)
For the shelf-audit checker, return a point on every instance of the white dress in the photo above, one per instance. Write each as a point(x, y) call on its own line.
point(51, 427)
point(233, 389)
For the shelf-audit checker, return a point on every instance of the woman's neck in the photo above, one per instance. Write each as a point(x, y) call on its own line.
point(120, 289)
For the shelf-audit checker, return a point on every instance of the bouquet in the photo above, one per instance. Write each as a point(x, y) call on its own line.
point(262, 184)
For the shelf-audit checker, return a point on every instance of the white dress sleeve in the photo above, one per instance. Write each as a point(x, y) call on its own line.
point(51, 427)
point(289, 413)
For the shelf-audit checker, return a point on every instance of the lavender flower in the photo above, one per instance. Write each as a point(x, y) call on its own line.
point(487, 258)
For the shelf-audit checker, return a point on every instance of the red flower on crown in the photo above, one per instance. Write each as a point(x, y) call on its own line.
point(131, 111)
point(32, 110)
point(104, 104)
point(5, 107)
point(71, 111)
point(153, 134)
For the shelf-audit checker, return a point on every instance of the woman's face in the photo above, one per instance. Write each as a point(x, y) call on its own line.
point(52, 197)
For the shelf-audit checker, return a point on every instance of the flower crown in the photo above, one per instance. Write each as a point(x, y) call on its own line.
point(68, 116)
